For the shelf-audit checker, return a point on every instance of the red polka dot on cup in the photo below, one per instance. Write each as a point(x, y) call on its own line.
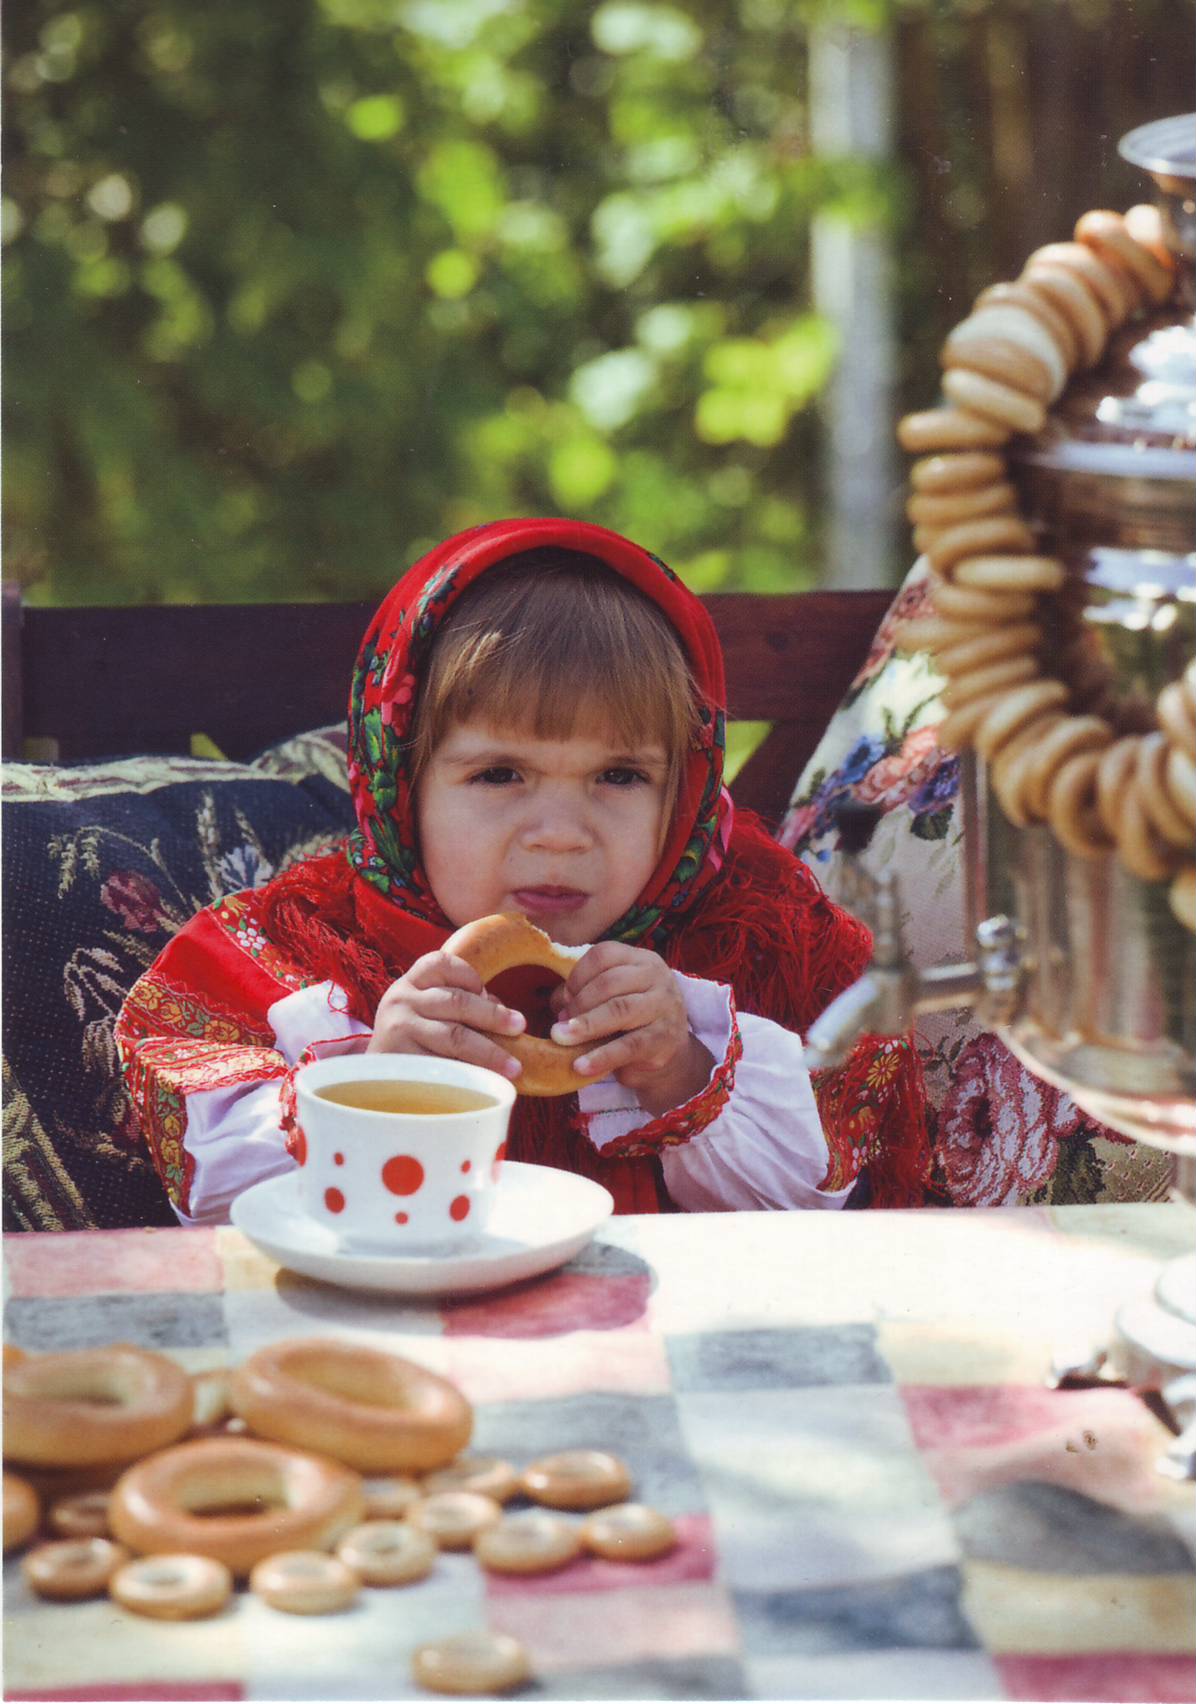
point(402, 1174)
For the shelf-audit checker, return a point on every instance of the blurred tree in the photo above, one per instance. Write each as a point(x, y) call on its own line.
point(293, 291)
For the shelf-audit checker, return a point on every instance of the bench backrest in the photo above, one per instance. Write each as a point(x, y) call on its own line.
point(109, 682)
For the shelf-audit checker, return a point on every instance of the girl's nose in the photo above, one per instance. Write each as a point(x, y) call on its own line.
point(557, 825)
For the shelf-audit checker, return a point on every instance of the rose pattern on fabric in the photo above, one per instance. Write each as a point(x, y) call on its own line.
point(1000, 1128)
point(1000, 1135)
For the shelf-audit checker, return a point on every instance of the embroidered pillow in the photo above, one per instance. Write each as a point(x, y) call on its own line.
point(1000, 1135)
point(103, 863)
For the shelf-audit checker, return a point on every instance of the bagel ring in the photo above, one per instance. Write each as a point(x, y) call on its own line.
point(71, 1569)
point(22, 1512)
point(84, 1407)
point(280, 1499)
point(374, 1411)
point(494, 944)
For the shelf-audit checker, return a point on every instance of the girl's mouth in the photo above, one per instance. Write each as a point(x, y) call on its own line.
point(550, 901)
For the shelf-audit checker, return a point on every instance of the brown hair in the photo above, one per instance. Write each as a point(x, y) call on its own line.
point(552, 640)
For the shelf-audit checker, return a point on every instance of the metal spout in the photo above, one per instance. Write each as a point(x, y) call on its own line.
point(892, 992)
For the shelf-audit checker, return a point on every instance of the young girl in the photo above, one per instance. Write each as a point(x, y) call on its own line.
point(536, 725)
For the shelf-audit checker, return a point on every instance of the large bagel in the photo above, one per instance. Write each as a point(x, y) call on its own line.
point(498, 943)
point(234, 1499)
point(372, 1410)
point(85, 1407)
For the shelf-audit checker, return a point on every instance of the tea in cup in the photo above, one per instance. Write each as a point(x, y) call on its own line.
point(400, 1152)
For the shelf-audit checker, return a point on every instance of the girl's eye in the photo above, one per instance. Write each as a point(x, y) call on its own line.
point(623, 777)
point(498, 776)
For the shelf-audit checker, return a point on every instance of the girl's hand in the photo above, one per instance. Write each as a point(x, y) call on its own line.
point(632, 991)
point(440, 1006)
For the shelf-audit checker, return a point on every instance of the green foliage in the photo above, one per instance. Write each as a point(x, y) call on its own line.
point(295, 290)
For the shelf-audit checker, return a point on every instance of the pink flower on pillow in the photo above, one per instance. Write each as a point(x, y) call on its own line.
point(891, 781)
point(135, 900)
point(1000, 1127)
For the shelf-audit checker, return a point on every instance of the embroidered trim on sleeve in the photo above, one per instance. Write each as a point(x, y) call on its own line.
point(693, 1116)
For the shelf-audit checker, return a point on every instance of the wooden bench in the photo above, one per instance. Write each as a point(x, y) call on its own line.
point(109, 682)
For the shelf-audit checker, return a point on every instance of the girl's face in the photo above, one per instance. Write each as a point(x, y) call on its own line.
point(566, 831)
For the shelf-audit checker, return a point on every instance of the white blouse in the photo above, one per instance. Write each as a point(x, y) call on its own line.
point(765, 1149)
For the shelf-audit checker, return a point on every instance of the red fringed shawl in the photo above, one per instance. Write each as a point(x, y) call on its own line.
point(725, 902)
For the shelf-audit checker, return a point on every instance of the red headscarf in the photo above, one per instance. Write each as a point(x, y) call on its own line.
point(725, 901)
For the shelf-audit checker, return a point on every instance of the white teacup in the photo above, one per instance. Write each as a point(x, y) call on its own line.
point(401, 1152)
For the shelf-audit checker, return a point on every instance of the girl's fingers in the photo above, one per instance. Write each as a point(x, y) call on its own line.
point(458, 1041)
point(639, 1047)
point(478, 1011)
point(443, 970)
point(624, 1012)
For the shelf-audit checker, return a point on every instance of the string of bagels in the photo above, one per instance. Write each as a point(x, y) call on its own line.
point(1047, 730)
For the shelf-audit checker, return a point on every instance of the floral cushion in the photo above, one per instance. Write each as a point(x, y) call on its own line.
point(1001, 1136)
point(102, 864)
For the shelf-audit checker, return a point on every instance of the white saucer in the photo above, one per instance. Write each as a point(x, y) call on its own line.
point(541, 1218)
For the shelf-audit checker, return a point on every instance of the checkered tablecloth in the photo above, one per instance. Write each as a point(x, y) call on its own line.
point(876, 1494)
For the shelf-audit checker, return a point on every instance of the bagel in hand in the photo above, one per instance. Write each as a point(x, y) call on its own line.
point(494, 944)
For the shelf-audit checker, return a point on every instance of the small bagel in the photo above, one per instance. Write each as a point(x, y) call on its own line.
point(1107, 234)
point(388, 1553)
point(1152, 780)
point(475, 1663)
point(1144, 223)
point(1012, 765)
point(1114, 777)
point(1029, 575)
point(952, 507)
point(1011, 639)
point(1010, 334)
point(531, 1541)
point(304, 1582)
point(491, 1475)
point(90, 1406)
point(1010, 671)
point(1182, 895)
point(932, 429)
point(1004, 533)
point(1037, 303)
point(957, 601)
point(578, 1479)
point(71, 1569)
point(453, 1519)
point(1018, 707)
point(992, 399)
point(1076, 302)
point(498, 943)
point(172, 1588)
point(630, 1532)
point(946, 475)
point(1176, 717)
point(1117, 293)
point(1071, 806)
point(22, 1512)
point(84, 1515)
point(280, 1499)
point(388, 1497)
point(1069, 736)
point(957, 729)
point(1181, 785)
point(1143, 851)
point(376, 1412)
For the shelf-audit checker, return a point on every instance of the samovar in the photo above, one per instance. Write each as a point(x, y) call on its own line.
point(1081, 967)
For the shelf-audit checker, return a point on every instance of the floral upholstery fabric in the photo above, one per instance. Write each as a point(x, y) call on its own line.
point(1000, 1135)
point(102, 864)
